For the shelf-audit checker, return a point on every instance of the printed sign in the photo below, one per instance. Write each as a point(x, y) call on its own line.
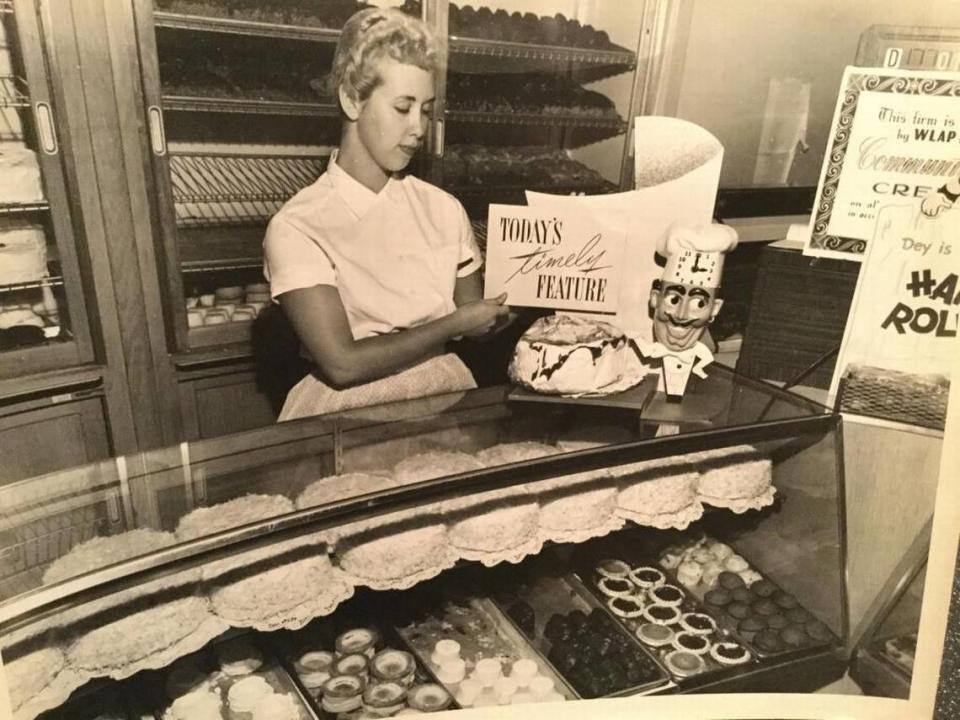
point(677, 170)
point(550, 259)
point(896, 138)
point(906, 309)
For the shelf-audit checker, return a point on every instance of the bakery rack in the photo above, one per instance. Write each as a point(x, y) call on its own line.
point(49, 281)
point(199, 23)
point(613, 124)
point(12, 92)
point(236, 189)
point(472, 54)
point(20, 208)
point(189, 103)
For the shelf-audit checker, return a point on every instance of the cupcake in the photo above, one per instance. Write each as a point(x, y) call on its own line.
point(795, 635)
point(647, 578)
point(729, 653)
point(738, 610)
point(343, 693)
point(690, 642)
point(616, 587)
point(666, 595)
point(768, 641)
point(247, 692)
point(697, 623)
point(689, 574)
point(661, 614)
point(729, 580)
point(752, 624)
point(717, 598)
point(625, 607)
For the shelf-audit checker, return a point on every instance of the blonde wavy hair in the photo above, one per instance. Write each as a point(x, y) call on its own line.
point(371, 35)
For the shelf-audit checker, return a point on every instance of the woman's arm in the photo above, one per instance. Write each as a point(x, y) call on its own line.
point(318, 316)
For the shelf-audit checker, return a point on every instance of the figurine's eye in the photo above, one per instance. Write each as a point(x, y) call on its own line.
point(673, 299)
point(700, 303)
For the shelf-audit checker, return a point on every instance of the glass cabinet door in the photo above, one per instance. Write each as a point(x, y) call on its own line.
point(240, 121)
point(538, 96)
point(43, 323)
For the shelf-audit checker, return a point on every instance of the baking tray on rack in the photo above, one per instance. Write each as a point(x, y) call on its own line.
point(787, 627)
point(482, 632)
point(579, 638)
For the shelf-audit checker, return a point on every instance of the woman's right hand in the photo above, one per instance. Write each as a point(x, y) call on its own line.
point(479, 317)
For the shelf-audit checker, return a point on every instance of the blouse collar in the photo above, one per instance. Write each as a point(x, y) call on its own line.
point(358, 197)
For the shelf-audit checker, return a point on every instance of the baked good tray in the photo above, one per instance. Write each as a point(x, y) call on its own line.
point(482, 632)
point(581, 640)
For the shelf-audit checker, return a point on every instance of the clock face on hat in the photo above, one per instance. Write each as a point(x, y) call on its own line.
point(696, 267)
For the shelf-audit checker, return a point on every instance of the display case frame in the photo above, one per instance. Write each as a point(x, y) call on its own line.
point(135, 485)
point(43, 102)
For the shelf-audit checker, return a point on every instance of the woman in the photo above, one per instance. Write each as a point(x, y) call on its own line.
point(377, 271)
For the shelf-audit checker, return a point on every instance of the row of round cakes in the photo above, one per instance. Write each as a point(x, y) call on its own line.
point(287, 584)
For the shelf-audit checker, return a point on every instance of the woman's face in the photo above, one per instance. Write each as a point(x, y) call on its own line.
point(393, 120)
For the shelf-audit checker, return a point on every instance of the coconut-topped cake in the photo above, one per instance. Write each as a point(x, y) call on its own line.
point(567, 355)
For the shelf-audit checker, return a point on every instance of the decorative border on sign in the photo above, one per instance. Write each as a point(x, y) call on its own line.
point(857, 83)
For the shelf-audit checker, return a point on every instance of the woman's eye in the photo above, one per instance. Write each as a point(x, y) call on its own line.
point(402, 109)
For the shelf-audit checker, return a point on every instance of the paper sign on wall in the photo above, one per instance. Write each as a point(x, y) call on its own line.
point(553, 259)
point(895, 138)
point(905, 313)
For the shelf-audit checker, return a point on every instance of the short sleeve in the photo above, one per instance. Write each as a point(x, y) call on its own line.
point(293, 260)
point(469, 258)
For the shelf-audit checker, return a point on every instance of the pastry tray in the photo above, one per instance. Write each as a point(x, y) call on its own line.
point(272, 670)
point(878, 649)
point(550, 595)
point(483, 632)
point(290, 645)
point(730, 623)
point(688, 605)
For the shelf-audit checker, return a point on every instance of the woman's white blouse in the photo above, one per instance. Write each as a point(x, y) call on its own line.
point(394, 256)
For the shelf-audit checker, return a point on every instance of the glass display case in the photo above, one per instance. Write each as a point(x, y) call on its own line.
point(548, 531)
point(535, 96)
point(43, 321)
point(884, 656)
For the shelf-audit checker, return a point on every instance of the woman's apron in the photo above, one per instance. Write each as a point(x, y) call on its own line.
point(438, 375)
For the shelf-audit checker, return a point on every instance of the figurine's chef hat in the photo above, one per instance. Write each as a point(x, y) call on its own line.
point(695, 253)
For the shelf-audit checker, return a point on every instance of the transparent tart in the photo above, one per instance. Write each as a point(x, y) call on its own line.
point(613, 569)
point(655, 635)
point(681, 663)
point(428, 698)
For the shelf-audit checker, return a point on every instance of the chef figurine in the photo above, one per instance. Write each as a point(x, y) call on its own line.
point(685, 300)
